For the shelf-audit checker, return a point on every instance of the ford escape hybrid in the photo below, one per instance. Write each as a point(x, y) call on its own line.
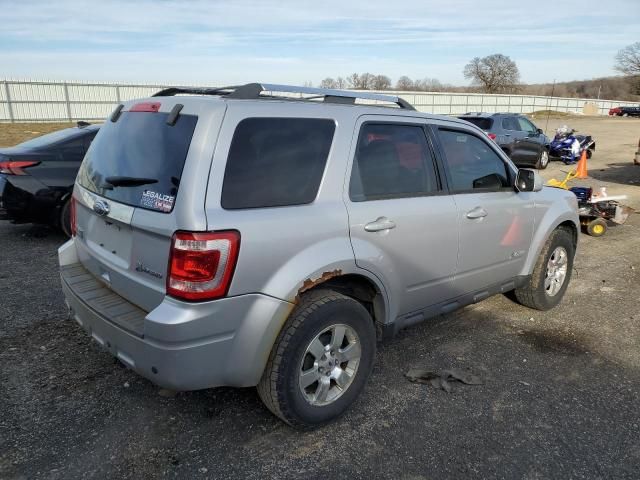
point(243, 237)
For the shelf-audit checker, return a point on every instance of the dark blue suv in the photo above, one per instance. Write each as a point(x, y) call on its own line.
point(526, 144)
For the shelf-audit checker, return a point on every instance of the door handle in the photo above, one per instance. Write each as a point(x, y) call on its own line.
point(380, 224)
point(477, 212)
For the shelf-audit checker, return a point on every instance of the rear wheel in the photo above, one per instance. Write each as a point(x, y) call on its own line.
point(597, 227)
point(321, 360)
point(64, 221)
point(551, 274)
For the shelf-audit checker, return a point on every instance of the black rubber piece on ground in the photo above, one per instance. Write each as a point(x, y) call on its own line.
point(533, 294)
point(279, 388)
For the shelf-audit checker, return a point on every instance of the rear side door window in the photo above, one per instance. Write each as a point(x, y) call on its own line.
point(392, 161)
point(510, 123)
point(526, 125)
point(276, 162)
point(472, 164)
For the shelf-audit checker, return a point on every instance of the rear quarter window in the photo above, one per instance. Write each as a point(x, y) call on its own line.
point(276, 162)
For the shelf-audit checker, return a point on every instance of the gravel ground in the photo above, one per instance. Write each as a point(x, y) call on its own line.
point(560, 395)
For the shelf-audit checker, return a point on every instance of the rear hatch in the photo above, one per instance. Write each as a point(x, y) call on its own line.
point(141, 180)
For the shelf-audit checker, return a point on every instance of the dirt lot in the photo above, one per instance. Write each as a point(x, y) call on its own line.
point(560, 396)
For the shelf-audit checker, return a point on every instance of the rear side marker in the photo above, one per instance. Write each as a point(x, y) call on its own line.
point(173, 115)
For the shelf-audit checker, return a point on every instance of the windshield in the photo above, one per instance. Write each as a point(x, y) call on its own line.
point(49, 138)
point(138, 160)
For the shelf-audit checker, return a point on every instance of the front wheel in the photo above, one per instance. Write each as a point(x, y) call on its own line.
point(321, 360)
point(551, 275)
point(543, 159)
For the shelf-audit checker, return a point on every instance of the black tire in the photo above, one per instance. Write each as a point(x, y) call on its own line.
point(279, 388)
point(543, 159)
point(64, 222)
point(533, 294)
point(589, 153)
point(597, 227)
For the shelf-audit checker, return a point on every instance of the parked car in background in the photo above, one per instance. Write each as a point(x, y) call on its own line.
point(625, 111)
point(524, 142)
point(228, 237)
point(36, 176)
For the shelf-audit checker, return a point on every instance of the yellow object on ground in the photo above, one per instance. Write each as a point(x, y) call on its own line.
point(562, 184)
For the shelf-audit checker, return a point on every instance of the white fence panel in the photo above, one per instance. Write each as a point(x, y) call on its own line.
point(68, 101)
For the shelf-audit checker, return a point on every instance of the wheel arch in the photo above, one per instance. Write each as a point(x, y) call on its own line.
point(358, 286)
point(567, 220)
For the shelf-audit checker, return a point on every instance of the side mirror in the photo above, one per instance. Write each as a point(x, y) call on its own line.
point(528, 180)
point(540, 131)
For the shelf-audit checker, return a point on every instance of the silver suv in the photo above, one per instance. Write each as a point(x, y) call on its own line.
point(243, 237)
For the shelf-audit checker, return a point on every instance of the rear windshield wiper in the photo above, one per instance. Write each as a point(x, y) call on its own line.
point(128, 181)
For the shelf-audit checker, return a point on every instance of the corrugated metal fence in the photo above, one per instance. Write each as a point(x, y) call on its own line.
point(37, 101)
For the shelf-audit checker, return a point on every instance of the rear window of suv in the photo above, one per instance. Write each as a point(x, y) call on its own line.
point(480, 122)
point(275, 162)
point(139, 145)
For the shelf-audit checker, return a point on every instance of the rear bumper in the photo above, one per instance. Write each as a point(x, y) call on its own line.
point(185, 346)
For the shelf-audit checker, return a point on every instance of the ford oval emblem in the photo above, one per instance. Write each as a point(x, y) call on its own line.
point(101, 208)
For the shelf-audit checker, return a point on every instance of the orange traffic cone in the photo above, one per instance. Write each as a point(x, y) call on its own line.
point(582, 166)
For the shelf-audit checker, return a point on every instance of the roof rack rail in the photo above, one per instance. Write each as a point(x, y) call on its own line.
point(254, 91)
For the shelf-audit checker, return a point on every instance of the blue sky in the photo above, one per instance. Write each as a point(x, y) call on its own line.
point(215, 42)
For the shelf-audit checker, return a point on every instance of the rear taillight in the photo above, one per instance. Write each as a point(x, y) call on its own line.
point(73, 217)
point(15, 167)
point(492, 136)
point(201, 265)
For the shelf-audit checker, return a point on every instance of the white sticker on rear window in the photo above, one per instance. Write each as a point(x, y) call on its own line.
point(157, 201)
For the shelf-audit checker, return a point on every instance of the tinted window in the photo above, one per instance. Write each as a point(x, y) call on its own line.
point(472, 163)
point(139, 145)
point(526, 125)
point(483, 123)
point(510, 123)
point(72, 150)
point(392, 161)
point(276, 161)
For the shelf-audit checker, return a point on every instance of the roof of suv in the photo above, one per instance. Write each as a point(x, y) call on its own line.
point(322, 96)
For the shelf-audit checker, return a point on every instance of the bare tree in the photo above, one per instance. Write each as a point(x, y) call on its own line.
point(628, 60)
point(341, 83)
point(495, 73)
point(405, 83)
point(428, 85)
point(353, 80)
point(366, 81)
point(381, 82)
point(328, 83)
